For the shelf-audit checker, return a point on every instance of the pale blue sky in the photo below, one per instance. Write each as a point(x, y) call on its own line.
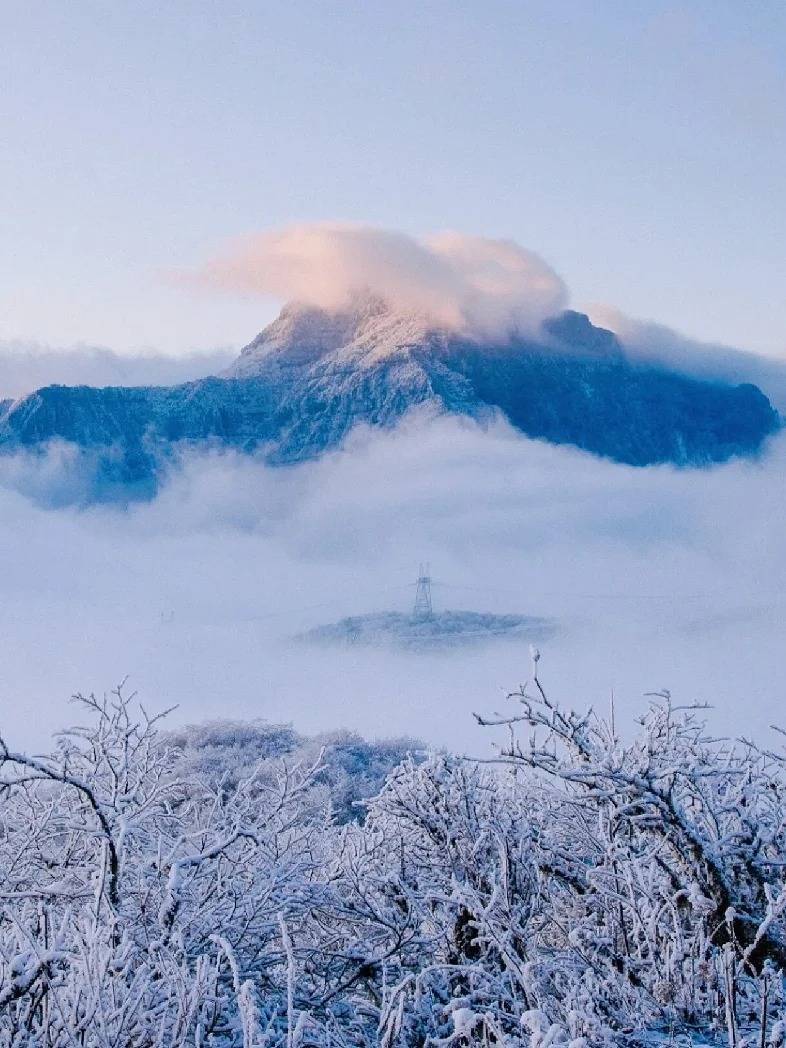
point(639, 147)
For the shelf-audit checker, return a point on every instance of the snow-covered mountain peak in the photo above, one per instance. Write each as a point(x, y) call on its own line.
point(313, 375)
point(364, 332)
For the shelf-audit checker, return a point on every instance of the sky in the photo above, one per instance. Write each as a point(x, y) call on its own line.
point(639, 148)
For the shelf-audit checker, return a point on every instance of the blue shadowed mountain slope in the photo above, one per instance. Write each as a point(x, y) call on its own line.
point(307, 379)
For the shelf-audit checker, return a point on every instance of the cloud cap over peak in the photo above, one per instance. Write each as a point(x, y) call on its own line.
point(474, 285)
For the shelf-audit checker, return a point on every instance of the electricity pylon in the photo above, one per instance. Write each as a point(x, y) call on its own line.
point(423, 609)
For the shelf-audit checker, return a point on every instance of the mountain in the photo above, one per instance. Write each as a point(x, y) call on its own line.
point(311, 375)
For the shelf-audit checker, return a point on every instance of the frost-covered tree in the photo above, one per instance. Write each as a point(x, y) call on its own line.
point(667, 853)
point(351, 768)
point(140, 908)
point(212, 886)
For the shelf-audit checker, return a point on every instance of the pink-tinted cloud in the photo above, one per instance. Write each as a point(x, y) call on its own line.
point(472, 284)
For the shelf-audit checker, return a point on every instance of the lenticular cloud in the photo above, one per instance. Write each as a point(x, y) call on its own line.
point(471, 284)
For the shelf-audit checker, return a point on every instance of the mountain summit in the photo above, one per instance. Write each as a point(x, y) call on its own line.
point(367, 331)
point(309, 377)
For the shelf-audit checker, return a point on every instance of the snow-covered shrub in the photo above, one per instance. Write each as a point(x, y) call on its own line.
point(132, 898)
point(211, 887)
point(351, 768)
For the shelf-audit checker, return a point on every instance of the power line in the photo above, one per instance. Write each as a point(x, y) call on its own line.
point(423, 609)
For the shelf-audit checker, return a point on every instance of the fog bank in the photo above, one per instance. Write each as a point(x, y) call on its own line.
point(26, 366)
point(657, 577)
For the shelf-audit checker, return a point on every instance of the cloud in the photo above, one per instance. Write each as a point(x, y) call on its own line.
point(26, 366)
point(656, 577)
point(473, 284)
point(478, 286)
point(648, 340)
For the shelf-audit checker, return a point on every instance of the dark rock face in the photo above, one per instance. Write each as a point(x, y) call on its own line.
point(304, 382)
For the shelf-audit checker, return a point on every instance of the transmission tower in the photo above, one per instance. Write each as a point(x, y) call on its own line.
point(423, 609)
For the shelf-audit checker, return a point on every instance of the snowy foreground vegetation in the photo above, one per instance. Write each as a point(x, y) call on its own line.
point(223, 886)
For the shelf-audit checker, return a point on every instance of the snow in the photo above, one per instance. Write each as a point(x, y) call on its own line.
point(301, 387)
point(609, 893)
point(368, 332)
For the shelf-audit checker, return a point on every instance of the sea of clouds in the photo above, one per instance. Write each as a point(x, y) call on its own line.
point(657, 578)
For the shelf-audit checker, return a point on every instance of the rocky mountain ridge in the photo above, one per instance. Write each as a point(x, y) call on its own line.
point(312, 375)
